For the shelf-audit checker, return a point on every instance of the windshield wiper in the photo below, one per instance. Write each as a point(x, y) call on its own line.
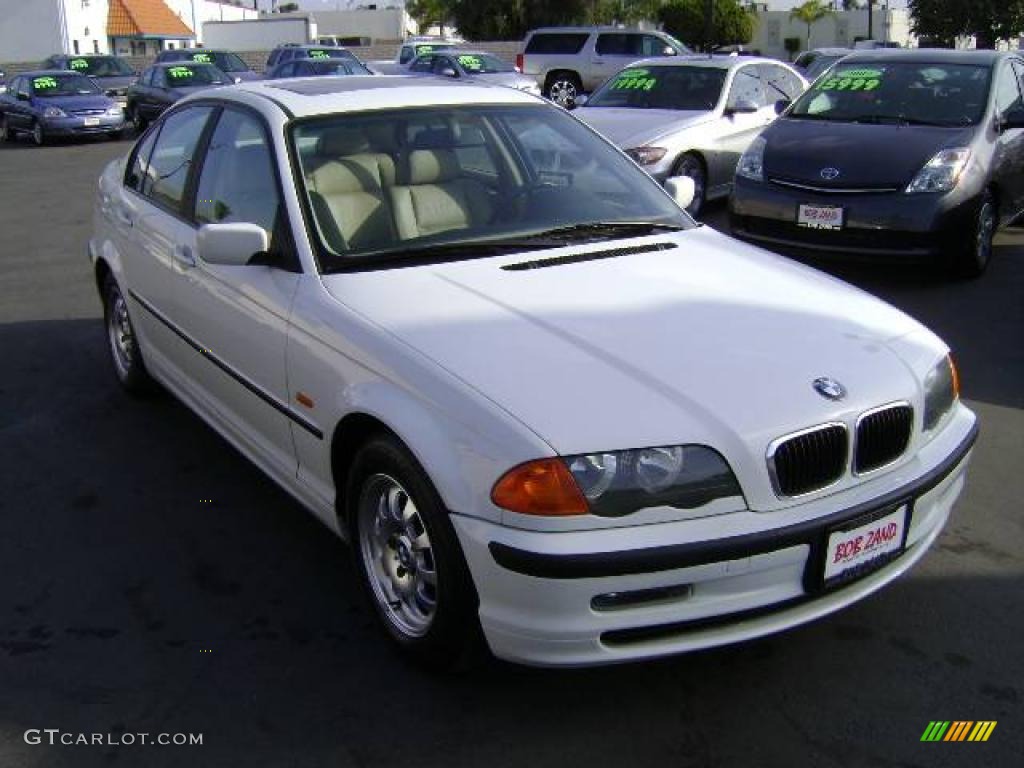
point(895, 119)
point(433, 254)
point(607, 229)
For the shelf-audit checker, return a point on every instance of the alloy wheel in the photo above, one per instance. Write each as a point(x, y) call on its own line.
point(37, 134)
point(398, 555)
point(983, 236)
point(563, 92)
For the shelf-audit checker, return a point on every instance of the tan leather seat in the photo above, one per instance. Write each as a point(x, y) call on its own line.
point(357, 146)
point(437, 197)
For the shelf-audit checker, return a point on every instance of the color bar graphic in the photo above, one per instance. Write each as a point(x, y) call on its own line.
point(958, 730)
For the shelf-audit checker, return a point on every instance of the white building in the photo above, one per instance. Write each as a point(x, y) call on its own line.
point(378, 24)
point(839, 30)
point(31, 30)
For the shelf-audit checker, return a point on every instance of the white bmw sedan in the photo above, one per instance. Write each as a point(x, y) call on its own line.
point(480, 344)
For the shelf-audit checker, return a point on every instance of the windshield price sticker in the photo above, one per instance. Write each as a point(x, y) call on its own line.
point(852, 80)
point(178, 72)
point(202, 58)
point(470, 62)
point(79, 64)
point(318, 55)
point(421, 49)
point(634, 80)
point(42, 83)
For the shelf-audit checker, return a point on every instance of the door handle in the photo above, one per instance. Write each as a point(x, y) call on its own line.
point(183, 255)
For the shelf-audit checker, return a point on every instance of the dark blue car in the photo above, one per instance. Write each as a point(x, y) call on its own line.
point(316, 68)
point(112, 73)
point(50, 103)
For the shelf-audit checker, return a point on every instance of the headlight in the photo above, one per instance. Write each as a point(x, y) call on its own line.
point(54, 112)
point(751, 164)
point(646, 155)
point(617, 483)
point(941, 390)
point(942, 172)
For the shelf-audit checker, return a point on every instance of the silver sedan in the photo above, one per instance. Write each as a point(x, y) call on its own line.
point(478, 66)
point(692, 116)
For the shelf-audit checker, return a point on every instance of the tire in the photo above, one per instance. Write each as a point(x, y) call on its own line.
point(974, 255)
point(562, 88)
point(6, 134)
point(38, 135)
point(409, 559)
point(126, 357)
point(138, 122)
point(691, 165)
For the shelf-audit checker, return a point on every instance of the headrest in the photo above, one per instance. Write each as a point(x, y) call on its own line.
point(338, 142)
point(432, 166)
point(344, 177)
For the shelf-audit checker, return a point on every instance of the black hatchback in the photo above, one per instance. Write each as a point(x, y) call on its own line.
point(902, 155)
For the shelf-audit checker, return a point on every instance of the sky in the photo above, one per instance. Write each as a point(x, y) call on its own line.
point(313, 5)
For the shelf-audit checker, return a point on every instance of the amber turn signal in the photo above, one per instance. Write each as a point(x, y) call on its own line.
point(956, 376)
point(542, 487)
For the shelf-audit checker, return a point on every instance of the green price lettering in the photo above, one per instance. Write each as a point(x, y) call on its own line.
point(634, 84)
point(318, 55)
point(421, 49)
point(202, 58)
point(177, 72)
point(470, 62)
point(42, 83)
point(79, 64)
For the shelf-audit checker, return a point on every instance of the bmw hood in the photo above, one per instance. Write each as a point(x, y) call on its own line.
point(865, 155)
point(705, 340)
point(636, 127)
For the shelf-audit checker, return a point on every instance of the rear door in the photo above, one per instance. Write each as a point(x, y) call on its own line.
point(612, 52)
point(1009, 161)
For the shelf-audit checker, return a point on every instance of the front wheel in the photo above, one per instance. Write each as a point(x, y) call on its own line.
point(124, 345)
point(690, 165)
point(5, 130)
point(563, 88)
point(38, 135)
point(135, 116)
point(976, 253)
point(410, 562)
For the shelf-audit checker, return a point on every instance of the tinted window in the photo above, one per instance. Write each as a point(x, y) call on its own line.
point(173, 156)
point(186, 75)
point(406, 54)
point(653, 46)
point(619, 45)
point(746, 86)
point(336, 67)
point(99, 66)
point(482, 63)
point(780, 83)
point(441, 63)
point(423, 64)
point(237, 182)
point(48, 86)
point(678, 87)
point(888, 91)
point(557, 43)
point(140, 162)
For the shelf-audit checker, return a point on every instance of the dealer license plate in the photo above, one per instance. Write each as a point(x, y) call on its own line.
point(91, 121)
point(858, 550)
point(820, 217)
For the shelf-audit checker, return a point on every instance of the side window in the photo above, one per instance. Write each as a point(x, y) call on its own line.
point(746, 86)
point(613, 45)
point(556, 42)
point(406, 55)
point(173, 156)
point(137, 176)
point(441, 63)
point(1007, 91)
point(653, 46)
point(779, 83)
point(22, 86)
point(237, 182)
point(423, 64)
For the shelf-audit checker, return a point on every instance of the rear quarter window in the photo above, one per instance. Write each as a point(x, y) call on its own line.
point(559, 42)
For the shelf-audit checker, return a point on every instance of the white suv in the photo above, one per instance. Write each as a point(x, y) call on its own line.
point(567, 61)
point(478, 342)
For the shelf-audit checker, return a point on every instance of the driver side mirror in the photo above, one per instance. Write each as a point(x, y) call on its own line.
point(780, 106)
point(742, 106)
point(668, 50)
point(232, 245)
point(1012, 119)
point(682, 190)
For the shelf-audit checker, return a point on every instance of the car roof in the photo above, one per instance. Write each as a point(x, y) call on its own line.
point(597, 28)
point(85, 56)
point(169, 64)
point(49, 72)
point(930, 55)
point(830, 51)
point(310, 96)
point(703, 60)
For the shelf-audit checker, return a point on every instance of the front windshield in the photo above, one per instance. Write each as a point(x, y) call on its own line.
point(820, 64)
point(100, 66)
point(422, 48)
point(48, 86)
point(662, 87)
point(897, 92)
point(482, 64)
point(337, 67)
point(225, 61)
point(398, 185)
point(188, 75)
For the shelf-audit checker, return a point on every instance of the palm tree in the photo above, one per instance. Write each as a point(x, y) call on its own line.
point(809, 13)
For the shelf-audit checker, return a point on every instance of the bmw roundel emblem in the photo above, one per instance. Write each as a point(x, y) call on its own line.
point(828, 174)
point(829, 388)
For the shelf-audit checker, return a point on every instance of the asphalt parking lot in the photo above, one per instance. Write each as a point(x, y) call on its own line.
point(155, 581)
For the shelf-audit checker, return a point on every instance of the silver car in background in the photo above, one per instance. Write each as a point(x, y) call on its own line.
point(472, 66)
point(691, 116)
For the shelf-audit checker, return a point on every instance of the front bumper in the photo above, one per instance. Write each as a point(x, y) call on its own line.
point(876, 224)
point(711, 581)
point(75, 125)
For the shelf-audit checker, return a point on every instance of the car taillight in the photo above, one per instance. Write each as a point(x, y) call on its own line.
point(519, 62)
